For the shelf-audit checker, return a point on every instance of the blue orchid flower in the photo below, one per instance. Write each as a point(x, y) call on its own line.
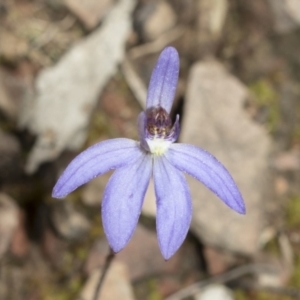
point(155, 155)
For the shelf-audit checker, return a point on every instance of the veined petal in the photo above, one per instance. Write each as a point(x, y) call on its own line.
point(123, 199)
point(207, 169)
point(163, 80)
point(94, 161)
point(174, 206)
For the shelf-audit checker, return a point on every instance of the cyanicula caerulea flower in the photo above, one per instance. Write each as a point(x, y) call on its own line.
point(155, 155)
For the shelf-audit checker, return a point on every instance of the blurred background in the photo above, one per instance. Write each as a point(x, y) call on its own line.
point(73, 73)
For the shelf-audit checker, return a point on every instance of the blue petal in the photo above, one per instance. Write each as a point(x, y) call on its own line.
point(94, 161)
point(123, 199)
point(163, 80)
point(207, 169)
point(174, 206)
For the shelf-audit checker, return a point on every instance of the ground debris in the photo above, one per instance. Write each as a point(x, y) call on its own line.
point(67, 92)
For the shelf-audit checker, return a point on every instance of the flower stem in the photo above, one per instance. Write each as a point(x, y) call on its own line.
point(109, 258)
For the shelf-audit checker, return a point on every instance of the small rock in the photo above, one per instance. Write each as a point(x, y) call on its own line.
point(69, 223)
point(215, 104)
point(115, 286)
point(293, 7)
point(9, 219)
point(155, 18)
point(90, 12)
point(286, 14)
point(212, 15)
point(209, 24)
point(215, 292)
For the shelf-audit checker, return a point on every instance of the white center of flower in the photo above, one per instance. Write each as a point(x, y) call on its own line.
point(158, 146)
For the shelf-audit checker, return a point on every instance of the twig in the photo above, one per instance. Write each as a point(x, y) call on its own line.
point(290, 292)
point(222, 278)
point(135, 83)
point(157, 45)
point(108, 260)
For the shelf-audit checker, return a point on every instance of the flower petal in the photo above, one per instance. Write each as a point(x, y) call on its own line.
point(173, 136)
point(207, 169)
point(174, 206)
point(94, 161)
point(163, 80)
point(123, 199)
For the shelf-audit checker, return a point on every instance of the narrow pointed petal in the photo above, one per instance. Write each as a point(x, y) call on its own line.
point(207, 169)
point(175, 131)
point(163, 80)
point(94, 161)
point(174, 206)
point(123, 199)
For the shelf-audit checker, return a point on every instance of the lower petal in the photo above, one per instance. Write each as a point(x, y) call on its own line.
point(174, 206)
point(206, 168)
point(123, 199)
point(94, 161)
